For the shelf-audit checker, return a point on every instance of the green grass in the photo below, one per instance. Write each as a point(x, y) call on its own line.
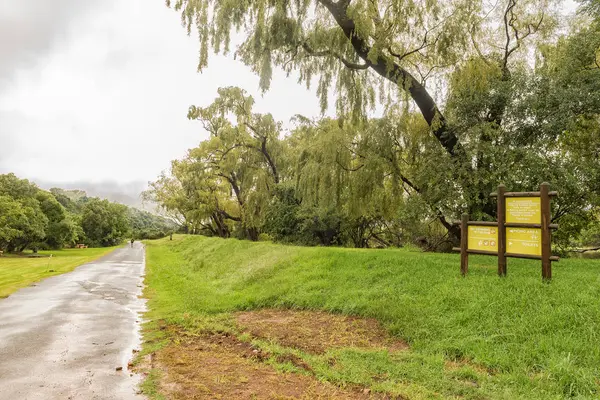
point(19, 272)
point(512, 338)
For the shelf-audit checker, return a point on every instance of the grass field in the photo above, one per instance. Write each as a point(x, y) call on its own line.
point(18, 272)
point(479, 337)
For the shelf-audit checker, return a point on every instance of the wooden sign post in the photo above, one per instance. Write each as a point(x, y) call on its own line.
point(501, 211)
point(523, 230)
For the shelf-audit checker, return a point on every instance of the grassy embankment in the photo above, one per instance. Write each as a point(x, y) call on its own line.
point(17, 272)
point(479, 337)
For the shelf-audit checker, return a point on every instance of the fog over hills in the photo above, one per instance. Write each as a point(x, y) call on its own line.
point(124, 193)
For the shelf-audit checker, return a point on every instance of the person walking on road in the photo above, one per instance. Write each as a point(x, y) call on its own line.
point(132, 240)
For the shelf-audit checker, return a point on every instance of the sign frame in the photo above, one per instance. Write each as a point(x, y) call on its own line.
point(544, 226)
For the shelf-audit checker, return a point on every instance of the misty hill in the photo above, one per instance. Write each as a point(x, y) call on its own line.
point(128, 194)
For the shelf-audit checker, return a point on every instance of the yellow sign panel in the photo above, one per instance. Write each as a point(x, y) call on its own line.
point(524, 241)
point(524, 210)
point(483, 238)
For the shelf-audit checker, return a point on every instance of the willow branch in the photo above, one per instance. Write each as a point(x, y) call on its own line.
point(329, 53)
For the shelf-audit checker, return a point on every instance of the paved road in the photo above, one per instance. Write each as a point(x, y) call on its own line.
point(65, 337)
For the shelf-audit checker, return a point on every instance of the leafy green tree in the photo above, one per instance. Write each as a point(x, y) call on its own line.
point(362, 47)
point(341, 42)
point(71, 200)
point(63, 233)
point(383, 51)
point(282, 220)
point(145, 225)
point(61, 230)
point(254, 132)
point(33, 218)
point(591, 7)
point(196, 197)
point(11, 185)
point(474, 94)
point(12, 219)
point(104, 223)
point(223, 185)
point(33, 226)
point(32, 223)
point(168, 193)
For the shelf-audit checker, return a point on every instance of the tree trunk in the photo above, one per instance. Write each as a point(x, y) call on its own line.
point(388, 69)
point(263, 150)
point(252, 233)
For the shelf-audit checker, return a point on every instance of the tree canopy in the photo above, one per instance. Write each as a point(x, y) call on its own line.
point(32, 218)
point(473, 95)
point(369, 50)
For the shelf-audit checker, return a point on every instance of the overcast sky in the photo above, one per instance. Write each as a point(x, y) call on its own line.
point(98, 90)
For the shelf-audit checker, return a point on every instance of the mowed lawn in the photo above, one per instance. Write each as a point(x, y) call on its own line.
point(18, 272)
point(479, 337)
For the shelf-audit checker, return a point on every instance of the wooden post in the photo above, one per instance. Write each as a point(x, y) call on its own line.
point(464, 244)
point(546, 234)
point(501, 211)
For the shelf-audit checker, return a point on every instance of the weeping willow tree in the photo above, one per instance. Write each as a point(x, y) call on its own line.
point(384, 181)
point(352, 46)
point(222, 186)
point(474, 94)
point(370, 173)
point(382, 51)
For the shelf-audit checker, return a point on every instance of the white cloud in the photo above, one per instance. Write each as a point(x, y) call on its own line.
point(107, 99)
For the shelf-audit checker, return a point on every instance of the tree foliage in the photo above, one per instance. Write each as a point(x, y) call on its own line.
point(368, 50)
point(26, 222)
point(474, 95)
point(32, 218)
point(145, 225)
point(104, 223)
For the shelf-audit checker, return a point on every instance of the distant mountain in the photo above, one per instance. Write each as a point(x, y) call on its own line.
point(124, 193)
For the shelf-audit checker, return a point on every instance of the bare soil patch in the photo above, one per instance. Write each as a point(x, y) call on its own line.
point(219, 366)
point(457, 365)
point(317, 331)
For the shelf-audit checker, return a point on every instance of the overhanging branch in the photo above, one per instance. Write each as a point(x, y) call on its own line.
point(329, 53)
point(387, 68)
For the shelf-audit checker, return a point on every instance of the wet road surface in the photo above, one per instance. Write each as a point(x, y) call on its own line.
point(65, 337)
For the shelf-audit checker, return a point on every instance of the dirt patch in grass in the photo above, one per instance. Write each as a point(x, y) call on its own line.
point(316, 331)
point(219, 366)
point(458, 365)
